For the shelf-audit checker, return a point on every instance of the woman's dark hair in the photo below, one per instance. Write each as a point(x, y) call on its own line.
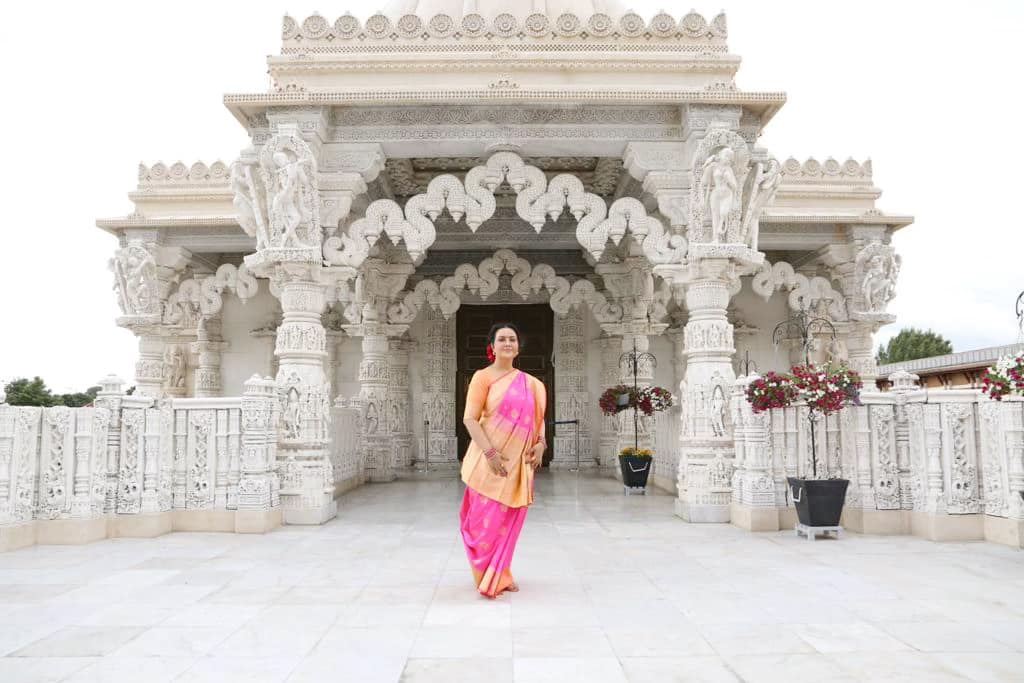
point(501, 326)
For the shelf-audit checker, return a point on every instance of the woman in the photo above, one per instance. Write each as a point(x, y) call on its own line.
point(505, 419)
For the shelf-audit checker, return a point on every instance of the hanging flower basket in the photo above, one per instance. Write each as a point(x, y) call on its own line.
point(1004, 378)
point(825, 389)
point(648, 400)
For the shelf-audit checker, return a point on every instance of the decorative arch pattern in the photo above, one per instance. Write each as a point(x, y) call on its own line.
point(203, 296)
point(804, 292)
point(537, 201)
point(483, 280)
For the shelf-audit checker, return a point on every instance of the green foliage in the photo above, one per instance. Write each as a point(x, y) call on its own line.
point(911, 344)
point(34, 392)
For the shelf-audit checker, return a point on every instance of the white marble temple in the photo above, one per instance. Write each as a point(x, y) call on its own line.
point(383, 593)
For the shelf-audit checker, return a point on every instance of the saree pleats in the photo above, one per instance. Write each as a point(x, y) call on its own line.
point(490, 531)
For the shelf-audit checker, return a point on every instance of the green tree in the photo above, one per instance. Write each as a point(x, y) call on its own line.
point(79, 399)
point(34, 392)
point(29, 392)
point(911, 344)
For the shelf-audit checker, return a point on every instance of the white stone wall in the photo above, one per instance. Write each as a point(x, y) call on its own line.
point(246, 354)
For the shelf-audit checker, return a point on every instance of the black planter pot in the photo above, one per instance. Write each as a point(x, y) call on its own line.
point(818, 502)
point(635, 470)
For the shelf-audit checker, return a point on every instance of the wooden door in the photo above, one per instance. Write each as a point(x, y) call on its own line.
point(472, 323)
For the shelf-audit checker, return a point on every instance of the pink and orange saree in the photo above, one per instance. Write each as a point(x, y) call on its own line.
point(511, 411)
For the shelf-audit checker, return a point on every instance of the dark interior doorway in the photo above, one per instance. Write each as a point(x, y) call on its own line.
point(472, 323)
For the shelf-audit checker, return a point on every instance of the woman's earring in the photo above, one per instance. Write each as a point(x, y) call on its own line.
point(490, 353)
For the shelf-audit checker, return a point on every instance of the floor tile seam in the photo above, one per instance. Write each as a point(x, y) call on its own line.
point(220, 642)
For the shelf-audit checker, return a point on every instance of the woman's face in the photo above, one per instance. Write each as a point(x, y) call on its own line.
point(506, 343)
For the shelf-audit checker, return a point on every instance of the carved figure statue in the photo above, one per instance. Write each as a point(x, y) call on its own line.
point(325, 413)
point(767, 179)
point(716, 411)
point(134, 279)
point(372, 422)
point(175, 367)
point(247, 204)
point(292, 415)
point(878, 286)
point(287, 207)
point(720, 188)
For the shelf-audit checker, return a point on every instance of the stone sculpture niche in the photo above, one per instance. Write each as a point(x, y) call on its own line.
point(276, 194)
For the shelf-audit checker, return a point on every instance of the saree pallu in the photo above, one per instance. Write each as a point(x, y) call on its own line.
point(511, 411)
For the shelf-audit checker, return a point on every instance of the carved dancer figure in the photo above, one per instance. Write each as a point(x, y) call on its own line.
point(292, 415)
point(246, 202)
point(288, 209)
point(716, 411)
point(879, 282)
point(175, 367)
point(767, 179)
point(720, 188)
point(134, 272)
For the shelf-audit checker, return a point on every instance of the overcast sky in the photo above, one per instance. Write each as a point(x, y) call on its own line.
point(930, 92)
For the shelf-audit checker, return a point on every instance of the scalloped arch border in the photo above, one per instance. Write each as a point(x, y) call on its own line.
point(484, 280)
point(537, 201)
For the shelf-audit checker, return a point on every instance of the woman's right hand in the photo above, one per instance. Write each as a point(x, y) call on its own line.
point(497, 467)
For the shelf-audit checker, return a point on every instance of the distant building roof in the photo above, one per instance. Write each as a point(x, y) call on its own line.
point(952, 361)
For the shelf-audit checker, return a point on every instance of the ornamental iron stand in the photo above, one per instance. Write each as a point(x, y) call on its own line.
point(805, 326)
point(631, 360)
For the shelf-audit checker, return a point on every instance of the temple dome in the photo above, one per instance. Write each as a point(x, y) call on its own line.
point(489, 9)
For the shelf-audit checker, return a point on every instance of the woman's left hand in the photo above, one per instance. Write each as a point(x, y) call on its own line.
point(535, 456)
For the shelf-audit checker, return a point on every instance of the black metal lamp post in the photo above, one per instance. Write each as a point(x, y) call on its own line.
point(805, 327)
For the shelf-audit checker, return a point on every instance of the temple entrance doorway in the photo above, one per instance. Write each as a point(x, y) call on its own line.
point(472, 323)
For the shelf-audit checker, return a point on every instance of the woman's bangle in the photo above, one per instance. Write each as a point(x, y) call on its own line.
point(541, 442)
point(491, 453)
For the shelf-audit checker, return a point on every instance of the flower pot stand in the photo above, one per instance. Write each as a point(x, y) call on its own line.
point(635, 471)
point(811, 532)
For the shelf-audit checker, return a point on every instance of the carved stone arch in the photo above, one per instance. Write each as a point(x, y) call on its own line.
point(804, 293)
point(537, 201)
point(484, 279)
point(202, 297)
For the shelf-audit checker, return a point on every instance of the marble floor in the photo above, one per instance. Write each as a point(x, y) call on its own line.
point(614, 588)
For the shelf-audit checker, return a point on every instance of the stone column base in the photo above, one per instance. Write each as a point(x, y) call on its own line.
point(943, 527)
point(754, 518)
point(14, 536)
point(702, 513)
point(70, 531)
point(325, 512)
point(139, 526)
point(257, 521)
point(878, 522)
point(1006, 531)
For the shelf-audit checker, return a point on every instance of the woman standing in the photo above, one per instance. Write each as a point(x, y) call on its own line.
point(505, 418)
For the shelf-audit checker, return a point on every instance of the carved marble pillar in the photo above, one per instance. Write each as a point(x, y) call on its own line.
point(144, 272)
point(258, 485)
point(110, 396)
point(439, 367)
point(307, 487)
point(707, 450)
point(573, 401)
point(867, 268)
point(373, 398)
point(208, 348)
point(610, 349)
point(398, 403)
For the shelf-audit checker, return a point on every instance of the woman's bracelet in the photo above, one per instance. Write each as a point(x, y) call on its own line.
point(491, 453)
point(542, 442)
